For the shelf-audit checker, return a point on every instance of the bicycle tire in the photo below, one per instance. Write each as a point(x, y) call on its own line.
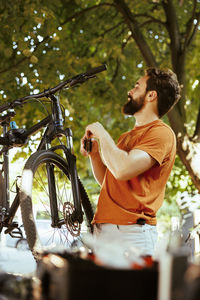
point(22, 244)
point(35, 163)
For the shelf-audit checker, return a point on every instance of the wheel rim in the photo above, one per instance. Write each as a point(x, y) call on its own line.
point(48, 235)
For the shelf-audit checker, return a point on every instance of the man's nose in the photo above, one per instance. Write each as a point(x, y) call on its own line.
point(130, 92)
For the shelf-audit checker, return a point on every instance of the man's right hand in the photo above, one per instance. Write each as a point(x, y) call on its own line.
point(95, 147)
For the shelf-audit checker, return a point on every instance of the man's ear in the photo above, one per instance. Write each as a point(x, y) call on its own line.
point(152, 95)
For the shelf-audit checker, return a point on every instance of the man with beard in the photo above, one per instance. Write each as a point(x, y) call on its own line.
point(133, 173)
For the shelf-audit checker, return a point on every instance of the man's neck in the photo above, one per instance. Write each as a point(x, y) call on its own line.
point(143, 119)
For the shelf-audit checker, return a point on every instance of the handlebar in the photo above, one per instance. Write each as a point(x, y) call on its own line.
point(95, 70)
point(78, 79)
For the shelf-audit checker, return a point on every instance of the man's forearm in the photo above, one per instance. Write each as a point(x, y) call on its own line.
point(112, 155)
point(98, 167)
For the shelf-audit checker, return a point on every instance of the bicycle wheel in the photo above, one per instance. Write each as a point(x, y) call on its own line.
point(37, 209)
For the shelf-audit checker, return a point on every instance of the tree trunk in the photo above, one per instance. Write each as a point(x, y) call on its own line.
point(184, 155)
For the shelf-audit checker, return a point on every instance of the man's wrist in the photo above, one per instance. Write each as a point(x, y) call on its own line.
point(93, 154)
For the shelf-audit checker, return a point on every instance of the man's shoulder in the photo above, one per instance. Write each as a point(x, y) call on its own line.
point(161, 128)
point(156, 129)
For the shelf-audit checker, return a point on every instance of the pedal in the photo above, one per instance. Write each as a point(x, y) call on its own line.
point(16, 234)
point(14, 231)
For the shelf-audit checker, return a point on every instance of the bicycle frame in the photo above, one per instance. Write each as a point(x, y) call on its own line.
point(49, 135)
point(54, 123)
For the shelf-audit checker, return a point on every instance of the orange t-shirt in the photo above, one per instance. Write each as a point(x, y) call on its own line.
point(123, 202)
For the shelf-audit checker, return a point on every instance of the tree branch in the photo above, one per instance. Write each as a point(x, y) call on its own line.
point(125, 43)
point(121, 32)
point(112, 28)
point(189, 24)
point(116, 71)
point(190, 31)
point(151, 19)
point(172, 28)
point(136, 33)
point(83, 11)
point(191, 38)
point(196, 135)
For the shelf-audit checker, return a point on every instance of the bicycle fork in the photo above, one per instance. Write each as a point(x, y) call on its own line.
point(77, 214)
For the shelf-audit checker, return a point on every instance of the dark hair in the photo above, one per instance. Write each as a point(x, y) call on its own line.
point(165, 83)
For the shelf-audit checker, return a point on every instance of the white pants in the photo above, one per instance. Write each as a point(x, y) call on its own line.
point(141, 237)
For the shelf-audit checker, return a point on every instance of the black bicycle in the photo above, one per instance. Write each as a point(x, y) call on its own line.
point(49, 183)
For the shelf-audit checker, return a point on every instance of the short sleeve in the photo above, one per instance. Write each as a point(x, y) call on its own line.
point(157, 142)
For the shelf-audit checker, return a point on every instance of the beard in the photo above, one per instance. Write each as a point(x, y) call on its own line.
point(133, 105)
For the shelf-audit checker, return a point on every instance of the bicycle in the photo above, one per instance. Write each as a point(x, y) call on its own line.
point(53, 165)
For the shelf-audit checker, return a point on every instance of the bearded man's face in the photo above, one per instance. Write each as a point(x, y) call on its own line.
point(136, 97)
point(133, 105)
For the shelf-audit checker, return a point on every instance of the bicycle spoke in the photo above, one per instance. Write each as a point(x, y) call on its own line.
point(63, 194)
point(41, 183)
